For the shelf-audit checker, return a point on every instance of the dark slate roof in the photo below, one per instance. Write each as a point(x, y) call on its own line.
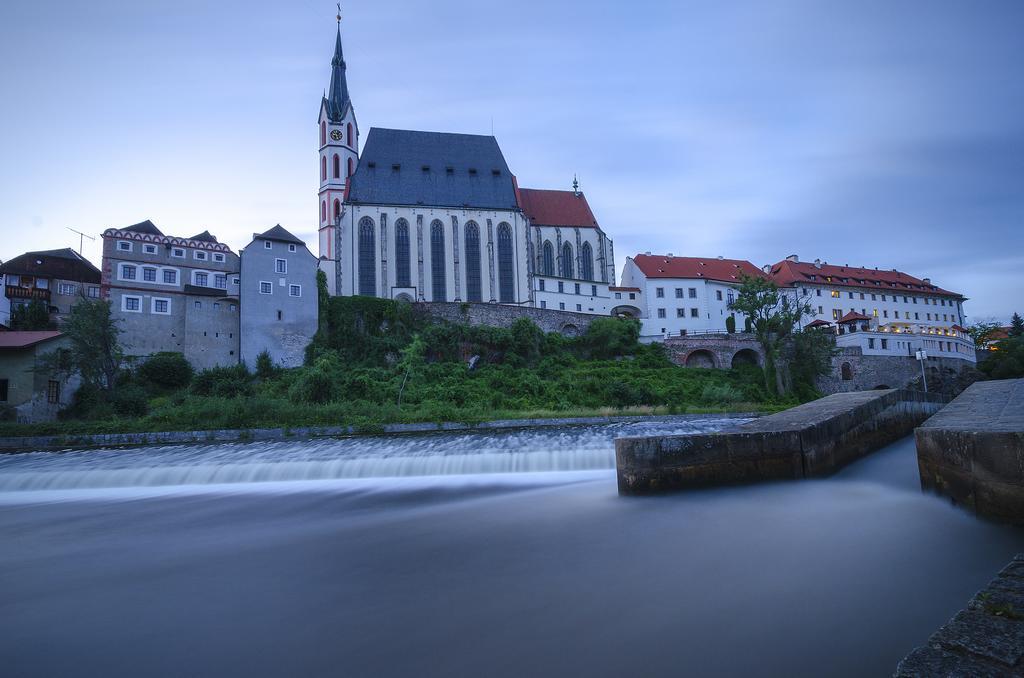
point(205, 236)
point(404, 167)
point(278, 233)
point(146, 226)
point(337, 100)
point(199, 291)
point(65, 264)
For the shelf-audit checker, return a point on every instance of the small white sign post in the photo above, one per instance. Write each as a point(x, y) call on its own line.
point(922, 355)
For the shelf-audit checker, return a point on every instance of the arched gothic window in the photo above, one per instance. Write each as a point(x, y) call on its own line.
point(323, 168)
point(438, 273)
point(565, 264)
point(473, 285)
point(351, 168)
point(367, 258)
point(586, 262)
point(323, 133)
point(506, 274)
point(403, 275)
point(351, 138)
point(547, 266)
point(337, 166)
point(337, 209)
point(323, 210)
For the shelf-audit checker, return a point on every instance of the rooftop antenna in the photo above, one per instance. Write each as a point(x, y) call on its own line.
point(575, 185)
point(81, 236)
point(339, 13)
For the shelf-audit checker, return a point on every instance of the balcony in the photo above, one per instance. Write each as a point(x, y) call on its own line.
point(15, 292)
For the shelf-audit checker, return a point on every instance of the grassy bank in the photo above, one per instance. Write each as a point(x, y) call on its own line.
point(376, 362)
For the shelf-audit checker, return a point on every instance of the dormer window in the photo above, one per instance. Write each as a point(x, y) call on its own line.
point(219, 258)
point(178, 252)
point(199, 255)
point(149, 249)
point(124, 246)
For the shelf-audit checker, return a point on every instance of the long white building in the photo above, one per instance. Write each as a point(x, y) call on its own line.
point(885, 312)
point(685, 295)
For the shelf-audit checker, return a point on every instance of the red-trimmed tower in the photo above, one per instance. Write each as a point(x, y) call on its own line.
point(338, 134)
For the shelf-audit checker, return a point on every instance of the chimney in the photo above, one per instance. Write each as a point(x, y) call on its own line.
point(720, 257)
point(927, 281)
point(647, 254)
point(817, 263)
point(669, 255)
point(794, 258)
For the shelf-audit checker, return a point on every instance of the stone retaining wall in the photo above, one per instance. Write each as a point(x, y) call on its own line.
point(986, 639)
point(814, 439)
point(973, 451)
point(501, 315)
point(868, 372)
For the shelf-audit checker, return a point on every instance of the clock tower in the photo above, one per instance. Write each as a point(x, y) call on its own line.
point(339, 153)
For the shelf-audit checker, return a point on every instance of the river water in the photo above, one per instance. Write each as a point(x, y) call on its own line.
point(497, 554)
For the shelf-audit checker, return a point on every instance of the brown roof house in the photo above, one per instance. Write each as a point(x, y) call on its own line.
point(29, 392)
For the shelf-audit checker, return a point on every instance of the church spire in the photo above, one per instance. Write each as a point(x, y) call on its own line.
point(337, 97)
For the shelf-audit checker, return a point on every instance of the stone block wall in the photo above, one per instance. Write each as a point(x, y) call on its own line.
point(851, 370)
point(500, 315)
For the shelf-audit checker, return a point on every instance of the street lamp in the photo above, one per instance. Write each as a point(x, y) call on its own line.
point(922, 355)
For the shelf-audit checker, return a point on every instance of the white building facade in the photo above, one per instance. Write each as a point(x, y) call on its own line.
point(884, 312)
point(684, 295)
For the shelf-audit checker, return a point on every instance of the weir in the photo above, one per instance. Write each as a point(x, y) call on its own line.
point(973, 450)
point(811, 440)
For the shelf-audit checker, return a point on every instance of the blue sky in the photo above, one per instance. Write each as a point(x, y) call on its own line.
point(885, 134)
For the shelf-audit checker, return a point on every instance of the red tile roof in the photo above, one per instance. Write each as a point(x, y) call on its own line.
point(556, 208)
point(853, 317)
point(724, 270)
point(786, 273)
point(818, 323)
point(25, 339)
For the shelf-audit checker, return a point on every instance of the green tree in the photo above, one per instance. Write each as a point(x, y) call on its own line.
point(981, 332)
point(412, 362)
point(1016, 326)
point(323, 299)
point(1006, 360)
point(31, 317)
point(265, 365)
point(730, 324)
point(773, 316)
point(166, 370)
point(96, 354)
point(810, 356)
point(610, 337)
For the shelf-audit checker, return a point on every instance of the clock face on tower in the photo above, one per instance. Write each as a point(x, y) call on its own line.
point(336, 134)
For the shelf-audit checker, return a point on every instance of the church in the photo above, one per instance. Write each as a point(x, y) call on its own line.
point(440, 217)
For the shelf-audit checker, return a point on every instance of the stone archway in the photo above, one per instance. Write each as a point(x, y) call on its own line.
point(746, 356)
point(882, 387)
point(404, 297)
point(569, 330)
point(626, 311)
point(846, 371)
point(700, 358)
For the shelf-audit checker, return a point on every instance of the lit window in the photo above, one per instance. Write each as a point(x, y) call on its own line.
point(835, 294)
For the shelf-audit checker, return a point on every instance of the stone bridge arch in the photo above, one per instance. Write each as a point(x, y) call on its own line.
point(721, 351)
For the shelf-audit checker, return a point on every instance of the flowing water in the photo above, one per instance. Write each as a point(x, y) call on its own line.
point(483, 554)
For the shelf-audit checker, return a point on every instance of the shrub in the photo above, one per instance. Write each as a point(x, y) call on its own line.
point(611, 337)
point(130, 401)
point(265, 366)
point(720, 394)
point(225, 382)
point(730, 324)
point(166, 371)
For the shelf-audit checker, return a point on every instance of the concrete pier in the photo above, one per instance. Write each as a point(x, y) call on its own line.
point(986, 639)
point(814, 439)
point(973, 450)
